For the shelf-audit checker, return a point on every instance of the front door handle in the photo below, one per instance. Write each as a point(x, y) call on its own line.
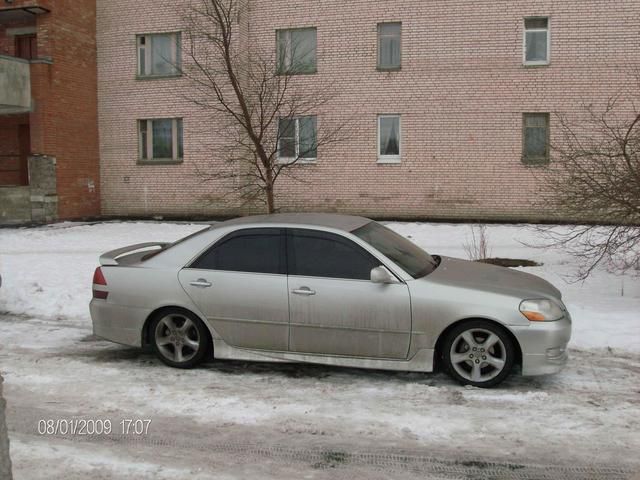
point(304, 291)
point(200, 283)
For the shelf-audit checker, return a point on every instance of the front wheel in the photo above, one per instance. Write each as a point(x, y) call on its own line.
point(179, 338)
point(478, 353)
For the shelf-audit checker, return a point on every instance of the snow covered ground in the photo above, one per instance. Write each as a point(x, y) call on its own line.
point(243, 420)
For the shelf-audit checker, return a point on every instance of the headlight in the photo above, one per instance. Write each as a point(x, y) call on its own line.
point(541, 310)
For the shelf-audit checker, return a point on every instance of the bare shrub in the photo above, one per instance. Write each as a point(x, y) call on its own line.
point(477, 244)
point(594, 179)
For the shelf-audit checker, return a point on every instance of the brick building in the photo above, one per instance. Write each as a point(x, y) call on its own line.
point(452, 104)
point(454, 101)
point(49, 164)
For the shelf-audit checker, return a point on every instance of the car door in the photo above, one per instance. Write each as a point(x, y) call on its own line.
point(240, 284)
point(334, 307)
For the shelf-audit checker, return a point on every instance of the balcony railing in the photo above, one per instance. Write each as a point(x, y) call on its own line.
point(15, 85)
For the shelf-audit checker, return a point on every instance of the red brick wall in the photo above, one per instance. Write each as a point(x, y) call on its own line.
point(64, 117)
point(65, 122)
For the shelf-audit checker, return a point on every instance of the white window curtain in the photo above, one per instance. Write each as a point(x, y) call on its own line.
point(161, 139)
point(389, 132)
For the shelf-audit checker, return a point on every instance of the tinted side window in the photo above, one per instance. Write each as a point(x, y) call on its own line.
point(254, 250)
point(319, 254)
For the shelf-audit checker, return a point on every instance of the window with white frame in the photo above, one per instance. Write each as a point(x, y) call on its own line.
point(535, 138)
point(160, 140)
point(297, 139)
point(297, 50)
point(389, 46)
point(158, 54)
point(389, 138)
point(536, 41)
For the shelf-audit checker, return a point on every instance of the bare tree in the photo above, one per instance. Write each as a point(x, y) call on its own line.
point(594, 176)
point(261, 114)
point(477, 247)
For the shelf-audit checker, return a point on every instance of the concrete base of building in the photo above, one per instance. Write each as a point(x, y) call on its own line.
point(35, 203)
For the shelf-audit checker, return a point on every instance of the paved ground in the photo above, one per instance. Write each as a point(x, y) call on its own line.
point(256, 420)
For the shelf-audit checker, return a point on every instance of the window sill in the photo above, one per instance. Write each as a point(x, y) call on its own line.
point(389, 161)
point(292, 74)
point(158, 77)
point(160, 161)
point(286, 161)
point(388, 69)
point(536, 64)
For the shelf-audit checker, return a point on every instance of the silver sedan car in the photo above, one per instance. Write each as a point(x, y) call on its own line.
point(332, 290)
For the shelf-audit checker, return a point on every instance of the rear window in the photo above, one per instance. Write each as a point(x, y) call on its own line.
point(168, 246)
point(252, 250)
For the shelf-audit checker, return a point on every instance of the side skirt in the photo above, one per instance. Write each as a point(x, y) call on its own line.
point(422, 361)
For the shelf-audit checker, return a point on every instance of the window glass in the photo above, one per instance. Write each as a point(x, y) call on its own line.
point(303, 47)
point(180, 141)
point(319, 254)
point(308, 141)
point(287, 147)
point(158, 54)
point(389, 132)
point(257, 251)
point(297, 50)
point(162, 54)
point(389, 45)
point(162, 138)
point(536, 137)
point(143, 139)
point(298, 138)
point(536, 40)
point(408, 256)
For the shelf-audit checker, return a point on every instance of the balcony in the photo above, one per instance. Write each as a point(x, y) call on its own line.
point(15, 85)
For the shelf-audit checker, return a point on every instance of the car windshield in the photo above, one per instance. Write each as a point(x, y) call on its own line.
point(411, 258)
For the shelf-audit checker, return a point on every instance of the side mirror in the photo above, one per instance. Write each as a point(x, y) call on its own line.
point(382, 275)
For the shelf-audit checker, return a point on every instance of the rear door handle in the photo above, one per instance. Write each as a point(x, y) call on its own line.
point(200, 283)
point(304, 291)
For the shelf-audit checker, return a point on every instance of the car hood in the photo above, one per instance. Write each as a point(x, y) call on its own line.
point(491, 278)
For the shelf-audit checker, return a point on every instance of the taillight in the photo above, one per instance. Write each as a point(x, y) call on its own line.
point(98, 279)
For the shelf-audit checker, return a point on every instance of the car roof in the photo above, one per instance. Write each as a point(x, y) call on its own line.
point(339, 222)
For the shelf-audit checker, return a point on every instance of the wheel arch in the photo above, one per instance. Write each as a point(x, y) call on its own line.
point(443, 335)
point(146, 334)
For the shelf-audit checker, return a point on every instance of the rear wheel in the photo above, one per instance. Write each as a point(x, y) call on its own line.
point(179, 338)
point(478, 353)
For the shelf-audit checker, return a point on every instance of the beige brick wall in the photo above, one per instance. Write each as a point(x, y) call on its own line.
point(461, 93)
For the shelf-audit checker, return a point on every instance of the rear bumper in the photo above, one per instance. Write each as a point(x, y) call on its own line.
point(544, 346)
point(117, 323)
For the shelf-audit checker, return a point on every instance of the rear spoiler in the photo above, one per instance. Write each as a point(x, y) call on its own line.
point(111, 258)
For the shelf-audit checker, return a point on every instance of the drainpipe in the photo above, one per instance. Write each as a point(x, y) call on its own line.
point(5, 461)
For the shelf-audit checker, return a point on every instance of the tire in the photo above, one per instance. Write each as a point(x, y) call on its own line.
point(179, 338)
point(478, 353)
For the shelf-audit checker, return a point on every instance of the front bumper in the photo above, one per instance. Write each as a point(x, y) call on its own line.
point(544, 346)
point(117, 323)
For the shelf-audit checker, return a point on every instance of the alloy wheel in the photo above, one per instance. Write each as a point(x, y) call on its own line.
point(177, 338)
point(478, 355)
